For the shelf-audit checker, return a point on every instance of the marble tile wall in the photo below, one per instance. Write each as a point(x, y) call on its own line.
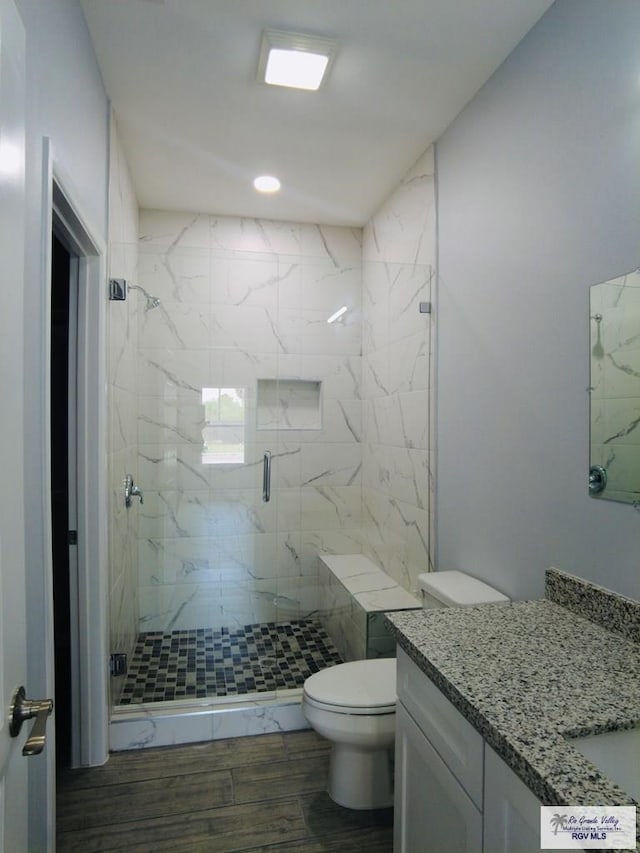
point(122, 409)
point(615, 368)
point(244, 300)
point(398, 274)
point(341, 616)
point(354, 594)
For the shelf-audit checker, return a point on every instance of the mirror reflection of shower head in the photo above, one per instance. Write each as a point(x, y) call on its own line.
point(598, 349)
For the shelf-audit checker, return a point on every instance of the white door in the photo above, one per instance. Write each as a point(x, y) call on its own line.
point(13, 766)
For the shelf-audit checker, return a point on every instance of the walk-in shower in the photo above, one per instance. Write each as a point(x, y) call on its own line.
point(215, 589)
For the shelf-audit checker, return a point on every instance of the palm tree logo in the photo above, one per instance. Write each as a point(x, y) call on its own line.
point(558, 821)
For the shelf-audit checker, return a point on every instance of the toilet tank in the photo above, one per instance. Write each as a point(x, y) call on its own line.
point(455, 589)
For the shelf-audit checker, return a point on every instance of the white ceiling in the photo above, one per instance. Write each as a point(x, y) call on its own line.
point(197, 126)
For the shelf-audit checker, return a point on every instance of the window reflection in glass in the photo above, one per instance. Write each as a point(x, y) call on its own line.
point(223, 433)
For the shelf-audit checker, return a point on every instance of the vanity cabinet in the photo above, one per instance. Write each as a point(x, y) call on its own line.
point(438, 770)
point(432, 810)
point(453, 793)
point(511, 810)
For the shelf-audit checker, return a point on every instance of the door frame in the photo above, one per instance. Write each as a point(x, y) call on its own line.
point(89, 640)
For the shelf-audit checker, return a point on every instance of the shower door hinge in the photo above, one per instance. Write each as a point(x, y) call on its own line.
point(72, 537)
point(118, 663)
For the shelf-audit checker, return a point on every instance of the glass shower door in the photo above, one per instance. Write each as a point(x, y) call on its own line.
point(241, 508)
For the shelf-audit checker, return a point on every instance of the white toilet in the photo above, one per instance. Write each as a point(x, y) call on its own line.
point(354, 704)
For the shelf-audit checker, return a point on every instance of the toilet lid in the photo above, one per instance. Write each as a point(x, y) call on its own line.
point(361, 684)
point(455, 589)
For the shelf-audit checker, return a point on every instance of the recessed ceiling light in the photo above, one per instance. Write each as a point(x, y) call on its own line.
point(294, 59)
point(266, 184)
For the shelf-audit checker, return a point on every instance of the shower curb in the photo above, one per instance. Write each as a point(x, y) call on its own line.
point(143, 726)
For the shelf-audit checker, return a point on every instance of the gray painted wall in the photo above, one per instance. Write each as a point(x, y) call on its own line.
point(538, 198)
point(66, 101)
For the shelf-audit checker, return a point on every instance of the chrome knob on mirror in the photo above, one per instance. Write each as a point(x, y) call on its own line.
point(597, 479)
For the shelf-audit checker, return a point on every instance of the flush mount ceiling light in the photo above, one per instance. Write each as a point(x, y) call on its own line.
point(294, 59)
point(266, 184)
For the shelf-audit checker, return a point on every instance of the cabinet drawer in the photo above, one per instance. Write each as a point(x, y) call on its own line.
point(456, 741)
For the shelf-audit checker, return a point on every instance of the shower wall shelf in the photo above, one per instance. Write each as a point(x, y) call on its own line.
point(287, 404)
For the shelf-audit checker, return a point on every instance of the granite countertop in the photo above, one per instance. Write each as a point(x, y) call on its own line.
point(532, 674)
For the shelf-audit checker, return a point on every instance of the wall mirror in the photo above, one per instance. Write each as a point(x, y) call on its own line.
point(615, 389)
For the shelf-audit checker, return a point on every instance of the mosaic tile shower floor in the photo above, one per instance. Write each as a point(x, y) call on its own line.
point(226, 662)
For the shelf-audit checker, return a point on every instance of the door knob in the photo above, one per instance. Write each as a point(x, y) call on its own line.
point(26, 709)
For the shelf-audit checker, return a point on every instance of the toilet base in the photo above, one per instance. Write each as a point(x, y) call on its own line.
point(361, 778)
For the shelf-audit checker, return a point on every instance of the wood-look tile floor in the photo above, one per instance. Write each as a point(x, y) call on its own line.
point(263, 793)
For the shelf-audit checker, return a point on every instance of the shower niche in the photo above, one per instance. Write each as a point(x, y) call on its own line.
point(288, 404)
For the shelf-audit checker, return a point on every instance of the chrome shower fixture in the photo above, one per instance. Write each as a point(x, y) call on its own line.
point(151, 301)
point(117, 289)
point(598, 350)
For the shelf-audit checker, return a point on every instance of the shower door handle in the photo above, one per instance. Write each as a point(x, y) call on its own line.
point(266, 477)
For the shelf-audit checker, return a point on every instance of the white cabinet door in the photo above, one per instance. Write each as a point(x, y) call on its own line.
point(433, 814)
point(511, 810)
point(452, 736)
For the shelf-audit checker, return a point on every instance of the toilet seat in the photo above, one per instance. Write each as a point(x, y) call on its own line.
point(364, 687)
point(346, 709)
